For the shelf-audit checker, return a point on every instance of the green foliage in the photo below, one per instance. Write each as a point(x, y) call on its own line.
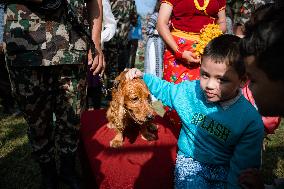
point(273, 155)
point(17, 168)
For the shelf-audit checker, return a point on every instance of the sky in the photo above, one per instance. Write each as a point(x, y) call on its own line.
point(145, 6)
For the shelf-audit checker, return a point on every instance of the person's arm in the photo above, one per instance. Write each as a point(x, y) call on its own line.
point(162, 25)
point(108, 22)
point(151, 25)
point(222, 20)
point(95, 16)
point(164, 31)
point(161, 89)
point(247, 153)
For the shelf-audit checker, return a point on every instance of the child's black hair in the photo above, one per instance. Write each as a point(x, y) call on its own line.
point(264, 39)
point(225, 49)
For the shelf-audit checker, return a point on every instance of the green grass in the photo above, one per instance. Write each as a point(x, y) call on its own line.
point(273, 156)
point(17, 170)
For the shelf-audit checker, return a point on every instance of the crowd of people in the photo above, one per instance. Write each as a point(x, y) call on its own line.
point(58, 57)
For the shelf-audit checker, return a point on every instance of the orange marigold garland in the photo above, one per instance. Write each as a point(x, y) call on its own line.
point(207, 34)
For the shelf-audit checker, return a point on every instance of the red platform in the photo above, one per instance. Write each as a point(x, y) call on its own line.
point(139, 165)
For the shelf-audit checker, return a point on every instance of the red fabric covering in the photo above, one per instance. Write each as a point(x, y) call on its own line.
point(142, 164)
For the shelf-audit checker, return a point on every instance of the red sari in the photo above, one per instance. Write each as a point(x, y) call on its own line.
point(187, 21)
point(176, 70)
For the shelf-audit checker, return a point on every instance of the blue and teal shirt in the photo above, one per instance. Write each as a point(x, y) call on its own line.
point(228, 134)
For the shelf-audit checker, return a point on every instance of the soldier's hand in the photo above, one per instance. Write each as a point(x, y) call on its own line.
point(97, 61)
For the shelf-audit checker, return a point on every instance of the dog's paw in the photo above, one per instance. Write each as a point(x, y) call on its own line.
point(116, 143)
point(148, 136)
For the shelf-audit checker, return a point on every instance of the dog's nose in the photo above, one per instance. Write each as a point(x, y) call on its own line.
point(150, 117)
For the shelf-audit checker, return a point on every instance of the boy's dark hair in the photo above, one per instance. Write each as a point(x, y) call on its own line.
point(264, 38)
point(225, 48)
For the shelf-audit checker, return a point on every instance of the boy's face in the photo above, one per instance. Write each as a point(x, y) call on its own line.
point(219, 81)
point(268, 94)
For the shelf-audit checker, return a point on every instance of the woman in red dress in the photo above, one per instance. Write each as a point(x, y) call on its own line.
point(187, 18)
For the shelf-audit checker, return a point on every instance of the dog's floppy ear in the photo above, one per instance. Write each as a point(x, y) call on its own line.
point(118, 80)
point(116, 111)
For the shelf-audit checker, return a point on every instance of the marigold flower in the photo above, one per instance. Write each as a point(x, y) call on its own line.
point(207, 33)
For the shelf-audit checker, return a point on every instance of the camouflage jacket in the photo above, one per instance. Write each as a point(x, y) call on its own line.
point(124, 12)
point(38, 37)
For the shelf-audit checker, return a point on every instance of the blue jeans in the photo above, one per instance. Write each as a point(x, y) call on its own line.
point(192, 174)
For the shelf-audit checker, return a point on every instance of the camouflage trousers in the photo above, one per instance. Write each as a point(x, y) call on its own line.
point(52, 99)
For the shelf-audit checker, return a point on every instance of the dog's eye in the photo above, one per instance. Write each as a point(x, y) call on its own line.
point(135, 99)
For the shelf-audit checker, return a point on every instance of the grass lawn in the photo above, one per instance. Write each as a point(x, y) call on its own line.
point(18, 170)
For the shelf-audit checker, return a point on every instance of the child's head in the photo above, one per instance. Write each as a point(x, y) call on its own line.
point(222, 72)
point(264, 58)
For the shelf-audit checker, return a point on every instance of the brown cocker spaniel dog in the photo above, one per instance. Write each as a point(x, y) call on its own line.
point(130, 108)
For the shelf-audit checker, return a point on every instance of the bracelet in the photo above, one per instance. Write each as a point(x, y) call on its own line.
point(178, 53)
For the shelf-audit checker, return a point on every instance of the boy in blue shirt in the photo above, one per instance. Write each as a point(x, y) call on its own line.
point(221, 132)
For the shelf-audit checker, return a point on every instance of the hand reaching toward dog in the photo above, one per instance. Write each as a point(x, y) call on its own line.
point(133, 73)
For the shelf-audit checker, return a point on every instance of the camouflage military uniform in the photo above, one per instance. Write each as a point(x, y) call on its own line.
point(116, 53)
point(45, 58)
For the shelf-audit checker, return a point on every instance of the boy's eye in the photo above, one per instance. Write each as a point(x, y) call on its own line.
point(204, 75)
